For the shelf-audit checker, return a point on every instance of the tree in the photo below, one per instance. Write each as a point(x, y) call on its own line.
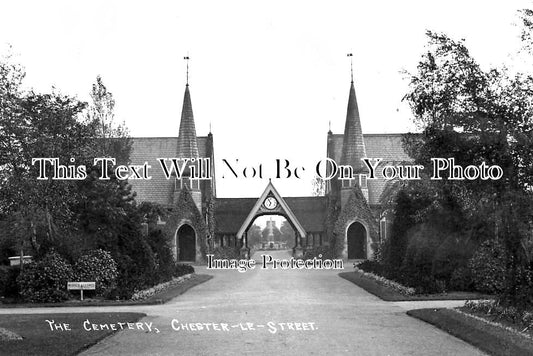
point(113, 139)
point(287, 232)
point(476, 116)
point(526, 17)
point(254, 235)
point(36, 126)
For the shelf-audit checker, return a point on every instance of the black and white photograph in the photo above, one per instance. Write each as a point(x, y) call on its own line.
point(266, 177)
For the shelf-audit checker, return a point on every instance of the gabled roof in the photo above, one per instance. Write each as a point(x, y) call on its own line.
point(148, 149)
point(386, 146)
point(283, 208)
point(232, 212)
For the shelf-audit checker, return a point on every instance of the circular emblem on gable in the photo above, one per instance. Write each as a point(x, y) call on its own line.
point(271, 203)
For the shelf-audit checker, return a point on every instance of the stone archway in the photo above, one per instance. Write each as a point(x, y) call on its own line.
point(356, 236)
point(186, 243)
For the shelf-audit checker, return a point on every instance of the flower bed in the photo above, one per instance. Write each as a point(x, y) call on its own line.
point(495, 314)
point(386, 282)
point(150, 292)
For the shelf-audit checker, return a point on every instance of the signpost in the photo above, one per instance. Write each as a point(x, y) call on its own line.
point(81, 286)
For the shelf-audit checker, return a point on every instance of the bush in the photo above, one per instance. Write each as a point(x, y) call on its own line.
point(461, 279)
point(372, 267)
point(417, 267)
point(8, 248)
point(450, 256)
point(378, 256)
point(488, 267)
point(137, 267)
point(45, 280)
point(8, 281)
point(97, 266)
point(181, 269)
point(162, 255)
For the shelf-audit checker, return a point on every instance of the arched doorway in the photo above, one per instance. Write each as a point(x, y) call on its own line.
point(356, 239)
point(186, 243)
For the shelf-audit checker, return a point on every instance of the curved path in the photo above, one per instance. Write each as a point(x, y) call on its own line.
point(345, 319)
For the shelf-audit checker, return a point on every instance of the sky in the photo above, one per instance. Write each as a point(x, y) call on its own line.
point(268, 77)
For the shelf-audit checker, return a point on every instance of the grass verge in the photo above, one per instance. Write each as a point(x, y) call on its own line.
point(159, 298)
point(39, 339)
point(391, 295)
point(491, 339)
point(179, 289)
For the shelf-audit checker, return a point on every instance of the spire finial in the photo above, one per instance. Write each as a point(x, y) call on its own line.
point(329, 125)
point(209, 126)
point(351, 64)
point(187, 59)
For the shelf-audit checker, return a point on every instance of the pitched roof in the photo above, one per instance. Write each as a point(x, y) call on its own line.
point(386, 146)
point(232, 212)
point(310, 211)
point(149, 149)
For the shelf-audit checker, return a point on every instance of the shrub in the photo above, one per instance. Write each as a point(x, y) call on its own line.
point(3, 278)
point(378, 256)
point(417, 267)
point(182, 269)
point(461, 279)
point(488, 267)
point(45, 280)
point(8, 281)
point(386, 282)
point(8, 246)
point(407, 205)
point(137, 267)
point(97, 266)
point(451, 255)
point(372, 267)
point(162, 255)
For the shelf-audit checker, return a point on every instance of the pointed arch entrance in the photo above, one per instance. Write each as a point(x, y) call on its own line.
point(271, 203)
point(186, 243)
point(356, 241)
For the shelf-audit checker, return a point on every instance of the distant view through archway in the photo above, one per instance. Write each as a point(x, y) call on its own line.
point(271, 232)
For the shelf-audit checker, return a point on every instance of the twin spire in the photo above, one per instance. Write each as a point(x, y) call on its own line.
point(353, 147)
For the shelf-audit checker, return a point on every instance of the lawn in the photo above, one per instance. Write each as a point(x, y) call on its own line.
point(39, 339)
point(391, 295)
point(159, 298)
point(491, 339)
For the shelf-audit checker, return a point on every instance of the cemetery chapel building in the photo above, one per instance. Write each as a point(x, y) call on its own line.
point(349, 219)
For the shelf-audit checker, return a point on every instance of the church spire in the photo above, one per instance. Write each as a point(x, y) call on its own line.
point(351, 64)
point(187, 144)
point(353, 146)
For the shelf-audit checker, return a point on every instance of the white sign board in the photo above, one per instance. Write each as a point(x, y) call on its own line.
point(81, 285)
